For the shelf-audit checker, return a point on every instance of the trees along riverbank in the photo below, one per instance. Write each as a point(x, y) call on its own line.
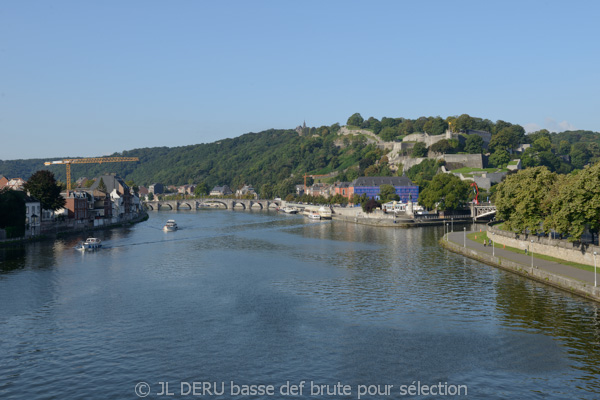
point(540, 201)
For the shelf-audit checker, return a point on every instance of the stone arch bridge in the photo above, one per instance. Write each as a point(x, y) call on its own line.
point(229, 204)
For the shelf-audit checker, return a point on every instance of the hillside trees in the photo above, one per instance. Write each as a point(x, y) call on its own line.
point(419, 150)
point(474, 144)
point(355, 120)
point(424, 172)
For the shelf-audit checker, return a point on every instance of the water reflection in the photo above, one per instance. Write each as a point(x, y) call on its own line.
point(256, 296)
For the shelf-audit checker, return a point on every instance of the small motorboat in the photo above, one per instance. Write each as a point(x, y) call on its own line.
point(170, 226)
point(89, 244)
point(289, 210)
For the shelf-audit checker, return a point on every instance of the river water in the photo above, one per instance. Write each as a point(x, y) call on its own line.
point(256, 298)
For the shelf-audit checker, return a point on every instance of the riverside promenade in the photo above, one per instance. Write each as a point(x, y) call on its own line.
point(565, 277)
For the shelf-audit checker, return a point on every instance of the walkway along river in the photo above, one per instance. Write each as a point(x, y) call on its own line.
point(259, 298)
point(565, 277)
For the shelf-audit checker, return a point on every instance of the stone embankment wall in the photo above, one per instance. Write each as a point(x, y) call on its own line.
point(563, 249)
point(561, 282)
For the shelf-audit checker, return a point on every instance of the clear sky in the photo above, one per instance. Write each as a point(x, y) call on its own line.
point(89, 78)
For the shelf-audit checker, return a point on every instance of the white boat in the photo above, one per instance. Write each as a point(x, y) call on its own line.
point(314, 215)
point(170, 226)
point(325, 213)
point(289, 210)
point(89, 244)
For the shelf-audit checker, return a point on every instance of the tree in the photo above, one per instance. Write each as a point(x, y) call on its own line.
point(445, 146)
point(474, 144)
point(388, 133)
point(542, 144)
point(370, 205)
point(419, 150)
point(499, 158)
point(580, 155)
point(564, 147)
point(388, 193)
point(574, 205)
point(355, 120)
point(102, 186)
point(12, 212)
point(445, 192)
point(522, 199)
point(43, 187)
point(201, 189)
point(507, 138)
point(266, 191)
point(424, 171)
point(150, 196)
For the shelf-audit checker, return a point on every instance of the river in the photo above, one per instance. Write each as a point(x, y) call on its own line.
point(234, 299)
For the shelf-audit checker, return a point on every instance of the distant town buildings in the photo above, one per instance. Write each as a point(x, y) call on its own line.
point(108, 201)
point(221, 191)
point(246, 190)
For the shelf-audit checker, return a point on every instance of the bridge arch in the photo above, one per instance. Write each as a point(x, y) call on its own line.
point(254, 203)
point(216, 201)
point(236, 203)
point(184, 204)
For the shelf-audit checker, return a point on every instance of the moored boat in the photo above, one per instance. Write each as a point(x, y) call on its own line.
point(325, 213)
point(314, 215)
point(289, 210)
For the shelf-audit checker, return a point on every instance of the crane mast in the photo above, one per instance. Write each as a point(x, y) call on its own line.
point(94, 160)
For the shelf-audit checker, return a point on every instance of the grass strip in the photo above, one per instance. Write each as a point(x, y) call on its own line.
point(480, 236)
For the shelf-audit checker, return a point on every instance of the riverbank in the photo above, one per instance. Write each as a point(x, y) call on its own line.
point(381, 219)
point(564, 277)
point(54, 235)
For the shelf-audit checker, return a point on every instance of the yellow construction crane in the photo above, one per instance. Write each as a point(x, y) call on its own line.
point(98, 160)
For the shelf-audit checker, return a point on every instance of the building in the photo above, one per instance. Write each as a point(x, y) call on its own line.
point(344, 189)
point(514, 165)
point(15, 184)
point(369, 185)
point(221, 191)
point(246, 190)
point(113, 182)
point(77, 205)
point(143, 192)
point(319, 189)
point(33, 219)
point(186, 189)
point(3, 181)
point(156, 188)
point(101, 206)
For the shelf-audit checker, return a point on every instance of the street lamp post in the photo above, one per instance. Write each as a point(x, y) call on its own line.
point(465, 236)
point(595, 253)
point(493, 244)
point(447, 229)
point(531, 251)
point(452, 220)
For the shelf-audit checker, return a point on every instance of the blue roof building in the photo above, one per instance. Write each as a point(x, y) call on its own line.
point(405, 189)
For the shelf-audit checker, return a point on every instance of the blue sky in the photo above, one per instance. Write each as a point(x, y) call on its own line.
point(89, 78)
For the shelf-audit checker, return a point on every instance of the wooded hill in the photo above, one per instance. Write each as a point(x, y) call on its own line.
point(280, 157)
